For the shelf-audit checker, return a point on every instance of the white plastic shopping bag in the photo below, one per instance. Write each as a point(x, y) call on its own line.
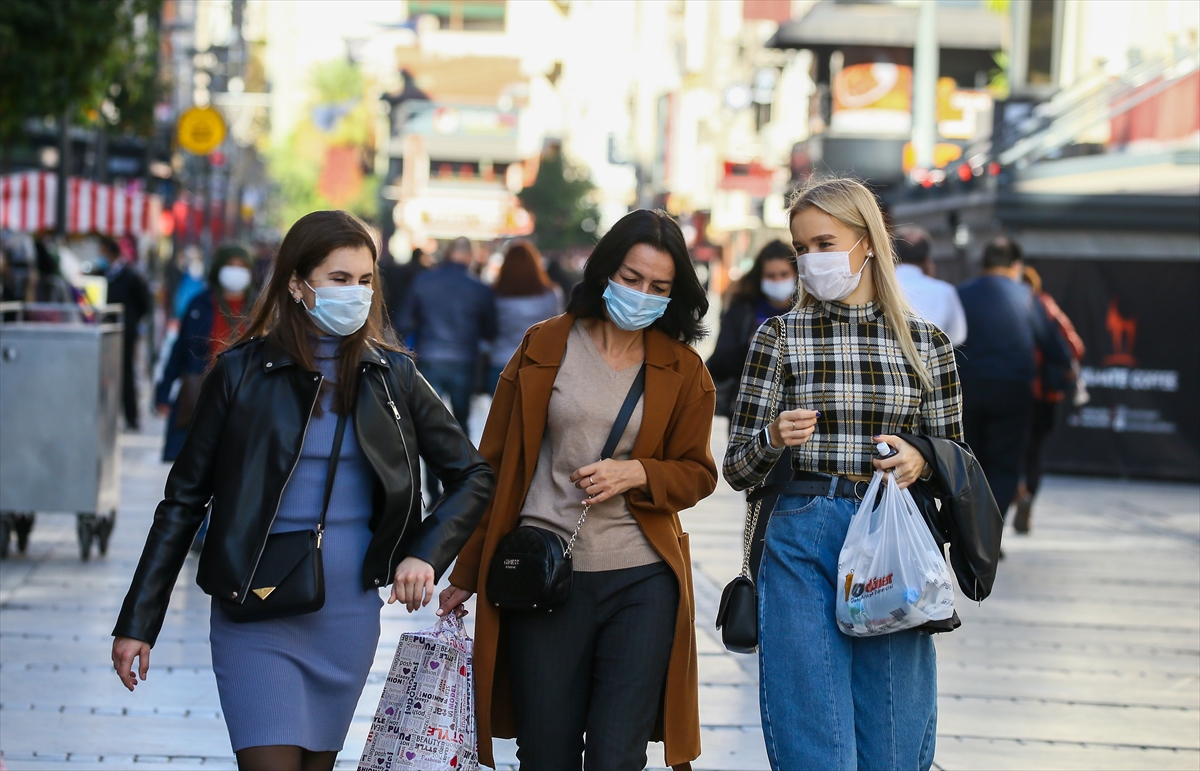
point(891, 574)
point(426, 716)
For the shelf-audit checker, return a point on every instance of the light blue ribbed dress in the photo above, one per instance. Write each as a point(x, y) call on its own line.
point(296, 681)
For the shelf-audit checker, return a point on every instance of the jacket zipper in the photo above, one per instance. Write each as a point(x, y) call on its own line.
point(296, 462)
point(407, 459)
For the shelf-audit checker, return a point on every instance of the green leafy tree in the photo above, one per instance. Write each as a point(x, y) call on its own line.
point(561, 202)
point(339, 115)
point(90, 57)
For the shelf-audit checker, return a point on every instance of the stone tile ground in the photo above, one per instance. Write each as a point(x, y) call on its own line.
point(1086, 656)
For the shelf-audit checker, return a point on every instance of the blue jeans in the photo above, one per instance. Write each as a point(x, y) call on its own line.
point(830, 701)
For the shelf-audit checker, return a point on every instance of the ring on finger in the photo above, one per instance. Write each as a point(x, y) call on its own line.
point(592, 481)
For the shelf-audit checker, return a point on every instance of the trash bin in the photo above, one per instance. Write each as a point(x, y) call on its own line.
point(60, 397)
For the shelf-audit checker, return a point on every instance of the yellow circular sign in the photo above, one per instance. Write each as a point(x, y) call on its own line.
point(201, 130)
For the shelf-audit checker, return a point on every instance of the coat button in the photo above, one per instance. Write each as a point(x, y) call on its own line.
point(235, 595)
point(270, 364)
point(383, 361)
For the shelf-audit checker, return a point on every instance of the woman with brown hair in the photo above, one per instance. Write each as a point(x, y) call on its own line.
point(617, 660)
point(303, 447)
point(525, 295)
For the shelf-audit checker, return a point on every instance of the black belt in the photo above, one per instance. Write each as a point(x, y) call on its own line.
point(811, 483)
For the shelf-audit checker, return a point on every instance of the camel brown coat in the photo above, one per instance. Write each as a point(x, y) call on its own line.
point(673, 446)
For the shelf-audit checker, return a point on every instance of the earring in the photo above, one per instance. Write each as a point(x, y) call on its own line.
point(297, 299)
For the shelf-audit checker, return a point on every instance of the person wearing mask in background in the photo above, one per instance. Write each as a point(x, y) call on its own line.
point(311, 423)
point(525, 295)
point(127, 287)
point(212, 319)
point(767, 290)
point(1053, 384)
point(448, 313)
point(997, 364)
point(935, 300)
point(617, 661)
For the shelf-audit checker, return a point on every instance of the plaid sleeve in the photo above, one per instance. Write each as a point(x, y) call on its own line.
point(941, 409)
point(749, 458)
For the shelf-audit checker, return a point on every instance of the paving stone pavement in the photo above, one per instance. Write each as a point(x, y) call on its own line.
point(1086, 656)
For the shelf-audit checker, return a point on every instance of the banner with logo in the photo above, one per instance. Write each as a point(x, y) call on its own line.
point(1141, 324)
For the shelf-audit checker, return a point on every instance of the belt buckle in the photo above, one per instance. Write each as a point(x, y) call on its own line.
point(857, 494)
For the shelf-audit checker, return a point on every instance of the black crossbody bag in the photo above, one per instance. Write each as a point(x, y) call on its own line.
point(290, 577)
point(531, 569)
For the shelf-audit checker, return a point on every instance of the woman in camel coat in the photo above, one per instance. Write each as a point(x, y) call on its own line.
point(643, 253)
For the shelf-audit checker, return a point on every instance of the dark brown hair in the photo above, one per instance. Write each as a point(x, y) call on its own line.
point(522, 274)
point(689, 302)
point(749, 287)
point(304, 249)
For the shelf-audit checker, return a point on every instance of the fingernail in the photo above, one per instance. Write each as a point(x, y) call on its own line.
point(818, 413)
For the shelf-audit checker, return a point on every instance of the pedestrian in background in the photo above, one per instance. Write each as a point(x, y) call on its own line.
point(859, 367)
point(398, 281)
point(767, 290)
point(314, 370)
point(934, 300)
point(448, 313)
point(1051, 386)
point(525, 295)
point(127, 287)
point(997, 364)
point(211, 320)
point(619, 658)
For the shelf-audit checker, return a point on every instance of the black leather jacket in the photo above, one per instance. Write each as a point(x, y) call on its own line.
point(246, 436)
point(969, 519)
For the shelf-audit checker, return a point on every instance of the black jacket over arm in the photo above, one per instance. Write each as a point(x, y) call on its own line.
point(969, 519)
point(246, 438)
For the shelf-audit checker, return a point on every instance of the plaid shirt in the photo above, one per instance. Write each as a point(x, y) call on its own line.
point(843, 361)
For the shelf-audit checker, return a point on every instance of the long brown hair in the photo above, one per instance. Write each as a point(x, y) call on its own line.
point(304, 248)
point(522, 274)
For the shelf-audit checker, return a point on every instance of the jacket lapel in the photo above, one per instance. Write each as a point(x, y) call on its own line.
point(536, 377)
point(662, 387)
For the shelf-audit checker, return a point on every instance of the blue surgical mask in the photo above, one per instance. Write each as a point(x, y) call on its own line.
point(340, 310)
point(632, 310)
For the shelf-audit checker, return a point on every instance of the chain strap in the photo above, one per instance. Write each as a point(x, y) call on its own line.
point(571, 544)
point(776, 398)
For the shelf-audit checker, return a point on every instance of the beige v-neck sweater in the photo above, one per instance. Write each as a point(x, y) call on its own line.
point(587, 396)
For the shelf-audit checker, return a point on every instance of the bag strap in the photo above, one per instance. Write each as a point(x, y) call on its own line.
point(775, 399)
point(631, 399)
point(614, 437)
point(338, 433)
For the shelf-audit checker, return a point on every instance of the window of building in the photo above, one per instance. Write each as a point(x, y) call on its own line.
point(462, 15)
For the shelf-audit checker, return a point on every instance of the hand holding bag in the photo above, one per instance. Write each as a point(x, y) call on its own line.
point(737, 615)
point(425, 720)
point(531, 569)
point(290, 577)
point(891, 574)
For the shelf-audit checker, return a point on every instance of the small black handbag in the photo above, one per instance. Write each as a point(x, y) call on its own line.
point(737, 615)
point(531, 569)
point(290, 577)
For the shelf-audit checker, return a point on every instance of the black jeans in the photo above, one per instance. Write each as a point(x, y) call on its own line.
point(597, 665)
point(996, 419)
point(129, 394)
point(1044, 416)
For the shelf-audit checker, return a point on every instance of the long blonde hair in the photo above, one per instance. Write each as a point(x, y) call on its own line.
point(850, 202)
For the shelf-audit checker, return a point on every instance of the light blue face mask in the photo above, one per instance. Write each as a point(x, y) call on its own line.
point(340, 310)
point(632, 310)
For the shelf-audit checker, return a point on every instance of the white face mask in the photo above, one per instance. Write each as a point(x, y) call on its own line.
point(827, 276)
point(340, 310)
point(779, 290)
point(234, 278)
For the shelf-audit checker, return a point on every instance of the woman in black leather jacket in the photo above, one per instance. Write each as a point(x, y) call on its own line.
point(258, 453)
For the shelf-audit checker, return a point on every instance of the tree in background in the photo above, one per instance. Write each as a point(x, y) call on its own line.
point(561, 202)
point(325, 163)
point(90, 59)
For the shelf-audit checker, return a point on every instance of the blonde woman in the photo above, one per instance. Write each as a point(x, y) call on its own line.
point(859, 368)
